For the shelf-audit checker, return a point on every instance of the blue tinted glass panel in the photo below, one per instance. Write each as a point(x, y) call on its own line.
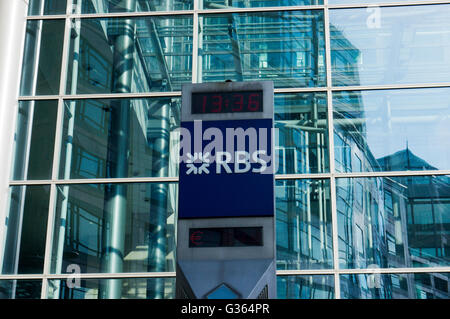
point(127, 288)
point(392, 130)
point(408, 230)
point(221, 4)
point(34, 140)
point(120, 138)
point(364, 1)
point(41, 69)
point(305, 287)
point(110, 6)
point(302, 136)
point(286, 47)
point(20, 289)
point(124, 55)
point(391, 45)
point(112, 228)
point(303, 224)
point(25, 231)
point(43, 7)
point(395, 286)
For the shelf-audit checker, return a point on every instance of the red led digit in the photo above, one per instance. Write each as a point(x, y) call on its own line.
point(238, 104)
point(204, 104)
point(196, 237)
point(216, 103)
point(253, 102)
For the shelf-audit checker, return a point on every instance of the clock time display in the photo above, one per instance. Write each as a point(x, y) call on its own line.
point(227, 102)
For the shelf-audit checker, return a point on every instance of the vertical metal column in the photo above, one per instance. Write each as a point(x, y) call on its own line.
point(118, 151)
point(158, 133)
point(76, 36)
point(159, 139)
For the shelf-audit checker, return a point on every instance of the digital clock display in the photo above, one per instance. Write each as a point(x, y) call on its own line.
point(227, 102)
point(225, 237)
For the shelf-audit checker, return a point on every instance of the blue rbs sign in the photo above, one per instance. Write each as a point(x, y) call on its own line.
point(226, 169)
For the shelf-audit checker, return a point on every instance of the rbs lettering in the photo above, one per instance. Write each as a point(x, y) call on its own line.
point(238, 163)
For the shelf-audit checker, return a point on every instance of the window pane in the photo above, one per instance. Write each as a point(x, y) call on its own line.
point(225, 4)
point(413, 234)
point(41, 68)
point(395, 286)
point(392, 130)
point(113, 228)
point(302, 144)
point(364, 1)
point(305, 287)
point(42, 7)
point(120, 138)
point(35, 140)
point(390, 45)
point(106, 6)
point(284, 47)
point(124, 55)
point(20, 289)
point(303, 224)
point(134, 288)
point(25, 230)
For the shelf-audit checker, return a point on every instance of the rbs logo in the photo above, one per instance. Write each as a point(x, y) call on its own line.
point(238, 162)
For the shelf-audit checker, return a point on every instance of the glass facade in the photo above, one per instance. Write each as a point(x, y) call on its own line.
point(362, 143)
point(390, 45)
point(285, 47)
point(130, 288)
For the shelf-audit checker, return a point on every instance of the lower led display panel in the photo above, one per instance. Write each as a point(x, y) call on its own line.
point(225, 237)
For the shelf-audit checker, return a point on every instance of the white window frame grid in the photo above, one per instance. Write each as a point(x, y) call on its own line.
point(332, 175)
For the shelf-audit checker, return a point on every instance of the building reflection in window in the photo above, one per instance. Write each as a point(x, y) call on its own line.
point(130, 288)
point(302, 143)
point(120, 138)
point(303, 224)
point(401, 221)
point(396, 286)
point(305, 287)
point(132, 231)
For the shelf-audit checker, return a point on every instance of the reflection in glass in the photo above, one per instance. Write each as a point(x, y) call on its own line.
point(305, 287)
point(397, 222)
point(34, 140)
point(41, 7)
point(303, 224)
point(392, 130)
point(396, 286)
point(364, 1)
point(42, 57)
point(106, 6)
point(113, 228)
point(20, 289)
point(225, 4)
point(284, 47)
point(390, 45)
point(25, 230)
point(120, 138)
point(134, 288)
point(302, 144)
point(123, 55)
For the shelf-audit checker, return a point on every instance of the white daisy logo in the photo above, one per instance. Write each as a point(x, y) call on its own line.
point(197, 158)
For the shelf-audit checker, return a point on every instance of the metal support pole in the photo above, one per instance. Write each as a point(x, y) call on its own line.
point(118, 151)
point(159, 138)
point(76, 28)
